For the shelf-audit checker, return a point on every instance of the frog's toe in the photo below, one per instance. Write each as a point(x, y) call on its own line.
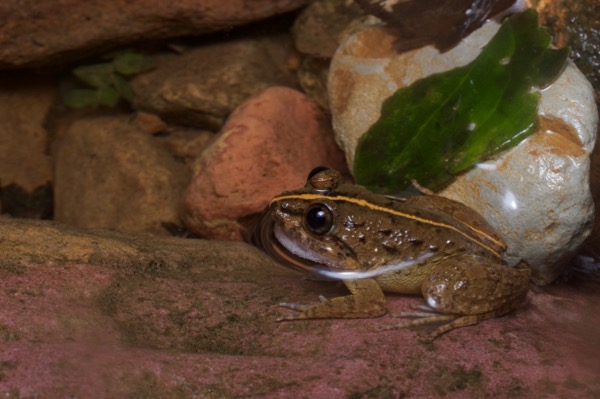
point(424, 308)
point(420, 311)
point(290, 317)
point(413, 314)
point(422, 319)
point(294, 306)
point(394, 326)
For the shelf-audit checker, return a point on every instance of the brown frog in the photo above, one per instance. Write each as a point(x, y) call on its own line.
point(421, 244)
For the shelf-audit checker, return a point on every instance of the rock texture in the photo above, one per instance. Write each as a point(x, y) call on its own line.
point(203, 85)
point(111, 174)
point(537, 195)
point(318, 31)
point(109, 315)
point(268, 145)
point(24, 106)
point(591, 258)
point(35, 35)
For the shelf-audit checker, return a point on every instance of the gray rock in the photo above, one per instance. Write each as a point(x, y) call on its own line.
point(535, 195)
point(200, 87)
point(318, 31)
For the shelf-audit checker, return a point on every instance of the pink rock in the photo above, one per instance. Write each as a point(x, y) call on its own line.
point(113, 315)
point(91, 332)
point(268, 145)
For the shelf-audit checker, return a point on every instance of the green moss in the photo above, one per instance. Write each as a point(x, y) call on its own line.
point(547, 386)
point(572, 384)
point(8, 334)
point(12, 267)
point(149, 386)
point(14, 393)
point(457, 380)
point(226, 338)
point(517, 389)
point(105, 84)
point(6, 365)
point(380, 392)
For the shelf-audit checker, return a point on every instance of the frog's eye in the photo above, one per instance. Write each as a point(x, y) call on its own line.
point(323, 179)
point(318, 219)
point(316, 170)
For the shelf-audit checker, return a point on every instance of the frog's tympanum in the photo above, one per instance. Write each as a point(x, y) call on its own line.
point(421, 244)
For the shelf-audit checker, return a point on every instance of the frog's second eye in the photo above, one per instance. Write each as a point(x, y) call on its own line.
point(318, 219)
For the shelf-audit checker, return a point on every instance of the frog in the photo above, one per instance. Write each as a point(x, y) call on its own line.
point(419, 244)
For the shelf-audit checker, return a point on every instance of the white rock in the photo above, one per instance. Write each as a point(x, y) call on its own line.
point(535, 195)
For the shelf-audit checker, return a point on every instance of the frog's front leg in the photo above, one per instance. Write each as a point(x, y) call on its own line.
point(366, 299)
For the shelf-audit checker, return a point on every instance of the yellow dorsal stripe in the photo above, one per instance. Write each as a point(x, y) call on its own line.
point(362, 202)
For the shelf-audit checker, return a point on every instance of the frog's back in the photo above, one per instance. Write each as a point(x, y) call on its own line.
point(440, 213)
point(463, 218)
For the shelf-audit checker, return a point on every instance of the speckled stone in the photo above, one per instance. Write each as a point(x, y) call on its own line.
point(535, 195)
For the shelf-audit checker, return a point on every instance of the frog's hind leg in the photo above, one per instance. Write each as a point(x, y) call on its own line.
point(462, 295)
point(424, 318)
point(460, 321)
point(451, 321)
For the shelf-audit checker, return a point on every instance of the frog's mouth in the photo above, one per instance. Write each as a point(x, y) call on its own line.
point(271, 238)
point(286, 250)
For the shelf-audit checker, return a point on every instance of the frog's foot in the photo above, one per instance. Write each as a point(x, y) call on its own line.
point(451, 321)
point(296, 306)
point(423, 311)
point(366, 300)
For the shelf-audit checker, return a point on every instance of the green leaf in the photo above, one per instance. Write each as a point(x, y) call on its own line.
point(122, 88)
point(98, 75)
point(445, 123)
point(108, 96)
point(80, 98)
point(131, 63)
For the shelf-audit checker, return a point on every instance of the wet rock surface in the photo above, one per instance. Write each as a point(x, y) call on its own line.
point(536, 195)
point(104, 314)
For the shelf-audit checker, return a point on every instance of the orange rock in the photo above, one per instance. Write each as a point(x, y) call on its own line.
point(268, 145)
